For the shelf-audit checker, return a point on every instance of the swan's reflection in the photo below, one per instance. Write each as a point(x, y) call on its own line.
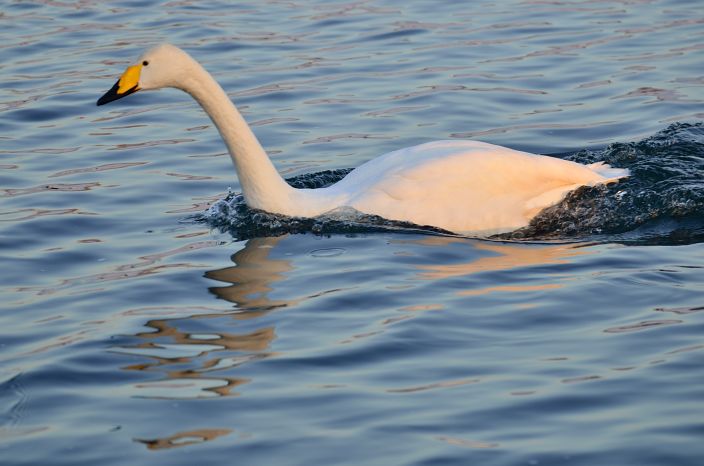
point(197, 364)
point(252, 276)
point(372, 291)
point(502, 256)
point(476, 261)
point(182, 439)
point(195, 361)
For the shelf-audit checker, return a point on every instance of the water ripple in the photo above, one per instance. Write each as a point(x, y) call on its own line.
point(131, 322)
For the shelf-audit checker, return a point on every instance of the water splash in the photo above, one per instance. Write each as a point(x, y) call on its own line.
point(232, 215)
point(662, 202)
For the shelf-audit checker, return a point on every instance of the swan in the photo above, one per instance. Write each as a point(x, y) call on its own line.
point(465, 187)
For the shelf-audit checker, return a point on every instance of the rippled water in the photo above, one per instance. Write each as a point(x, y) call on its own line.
point(133, 332)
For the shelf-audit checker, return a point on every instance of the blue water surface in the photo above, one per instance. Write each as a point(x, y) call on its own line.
point(146, 319)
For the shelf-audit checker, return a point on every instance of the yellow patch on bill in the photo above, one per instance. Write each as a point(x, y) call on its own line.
point(129, 79)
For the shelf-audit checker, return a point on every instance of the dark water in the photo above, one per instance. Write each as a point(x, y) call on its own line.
point(147, 317)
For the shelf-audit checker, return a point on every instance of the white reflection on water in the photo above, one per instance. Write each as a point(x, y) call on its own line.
point(503, 256)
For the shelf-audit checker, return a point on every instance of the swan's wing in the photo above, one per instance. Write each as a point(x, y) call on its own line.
point(464, 185)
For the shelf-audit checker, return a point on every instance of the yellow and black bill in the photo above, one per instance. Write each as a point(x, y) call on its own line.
point(126, 85)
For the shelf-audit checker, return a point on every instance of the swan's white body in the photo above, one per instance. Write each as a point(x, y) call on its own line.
point(461, 186)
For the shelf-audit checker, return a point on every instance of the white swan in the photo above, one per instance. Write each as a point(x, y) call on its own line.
point(466, 187)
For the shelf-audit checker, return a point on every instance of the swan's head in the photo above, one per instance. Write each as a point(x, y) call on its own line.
point(161, 66)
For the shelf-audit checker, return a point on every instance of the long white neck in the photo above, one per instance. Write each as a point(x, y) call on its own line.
point(262, 186)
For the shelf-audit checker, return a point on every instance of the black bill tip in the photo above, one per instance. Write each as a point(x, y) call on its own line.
point(112, 94)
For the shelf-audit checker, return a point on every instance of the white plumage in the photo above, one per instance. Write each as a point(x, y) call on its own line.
point(466, 187)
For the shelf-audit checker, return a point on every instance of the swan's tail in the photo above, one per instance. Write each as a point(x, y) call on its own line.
point(607, 171)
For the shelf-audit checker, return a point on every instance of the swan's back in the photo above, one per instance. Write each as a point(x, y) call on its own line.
point(466, 186)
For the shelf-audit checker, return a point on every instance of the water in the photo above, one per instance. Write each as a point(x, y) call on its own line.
point(138, 326)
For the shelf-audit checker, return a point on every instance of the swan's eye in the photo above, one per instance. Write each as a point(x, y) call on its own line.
point(145, 63)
